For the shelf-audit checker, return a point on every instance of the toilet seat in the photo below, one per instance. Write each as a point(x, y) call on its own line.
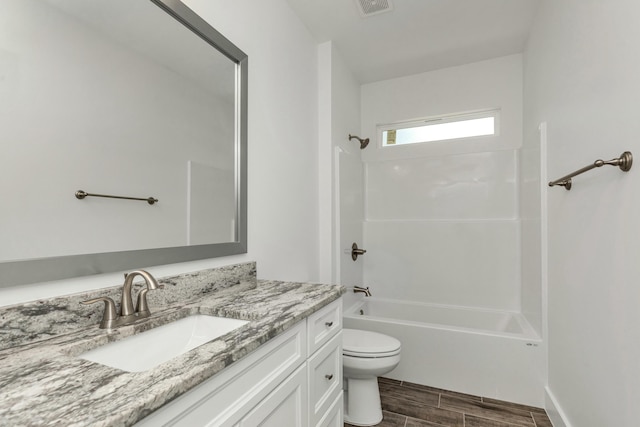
point(367, 344)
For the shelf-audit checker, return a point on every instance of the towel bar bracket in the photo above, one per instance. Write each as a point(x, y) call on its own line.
point(624, 162)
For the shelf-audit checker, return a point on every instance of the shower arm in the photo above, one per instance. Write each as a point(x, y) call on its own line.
point(363, 142)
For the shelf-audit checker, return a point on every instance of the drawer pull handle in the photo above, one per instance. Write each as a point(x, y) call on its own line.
point(329, 377)
point(328, 324)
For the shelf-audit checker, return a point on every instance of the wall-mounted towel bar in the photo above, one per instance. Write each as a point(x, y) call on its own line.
point(80, 194)
point(624, 162)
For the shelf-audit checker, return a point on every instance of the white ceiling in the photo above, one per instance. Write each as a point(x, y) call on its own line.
point(418, 35)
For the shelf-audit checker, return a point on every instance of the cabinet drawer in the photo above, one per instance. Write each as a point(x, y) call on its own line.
point(325, 378)
point(333, 417)
point(324, 324)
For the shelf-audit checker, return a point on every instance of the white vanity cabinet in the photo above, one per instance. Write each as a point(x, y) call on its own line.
point(294, 379)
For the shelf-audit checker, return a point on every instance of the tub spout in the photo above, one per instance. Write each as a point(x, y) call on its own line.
point(365, 291)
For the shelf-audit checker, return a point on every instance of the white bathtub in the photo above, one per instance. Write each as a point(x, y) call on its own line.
point(482, 352)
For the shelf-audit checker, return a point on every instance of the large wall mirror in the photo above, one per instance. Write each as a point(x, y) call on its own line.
point(131, 98)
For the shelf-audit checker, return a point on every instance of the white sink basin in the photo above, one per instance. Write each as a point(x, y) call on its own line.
point(150, 348)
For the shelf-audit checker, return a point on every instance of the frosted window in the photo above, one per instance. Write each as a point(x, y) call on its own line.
point(441, 129)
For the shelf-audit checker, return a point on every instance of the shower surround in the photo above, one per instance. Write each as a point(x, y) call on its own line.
point(442, 227)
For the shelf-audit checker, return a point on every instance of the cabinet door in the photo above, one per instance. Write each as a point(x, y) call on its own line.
point(285, 406)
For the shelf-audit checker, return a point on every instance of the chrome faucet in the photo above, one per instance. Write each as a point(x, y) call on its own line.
point(128, 315)
point(365, 291)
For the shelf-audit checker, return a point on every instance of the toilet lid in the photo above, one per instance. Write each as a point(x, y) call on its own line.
point(368, 344)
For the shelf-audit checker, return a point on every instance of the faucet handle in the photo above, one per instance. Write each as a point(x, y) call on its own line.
point(142, 307)
point(109, 315)
point(355, 252)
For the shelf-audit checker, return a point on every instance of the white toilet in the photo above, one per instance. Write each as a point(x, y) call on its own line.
point(365, 356)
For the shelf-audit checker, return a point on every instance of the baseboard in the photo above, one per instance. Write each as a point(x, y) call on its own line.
point(554, 410)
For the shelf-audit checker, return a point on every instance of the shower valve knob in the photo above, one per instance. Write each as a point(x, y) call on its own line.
point(355, 251)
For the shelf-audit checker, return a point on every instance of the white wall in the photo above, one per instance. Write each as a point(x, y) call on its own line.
point(581, 74)
point(283, 132)
point(283, 169)
point(442, 219)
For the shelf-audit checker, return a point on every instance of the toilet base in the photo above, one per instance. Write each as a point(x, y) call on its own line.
point(362, 402)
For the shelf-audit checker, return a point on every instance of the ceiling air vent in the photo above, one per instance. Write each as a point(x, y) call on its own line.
point(373, 7)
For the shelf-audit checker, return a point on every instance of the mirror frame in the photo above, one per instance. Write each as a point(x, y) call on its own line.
point(29, 271)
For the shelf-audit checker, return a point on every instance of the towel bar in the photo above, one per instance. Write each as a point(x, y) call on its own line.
point(80, 194)
point(624, 162)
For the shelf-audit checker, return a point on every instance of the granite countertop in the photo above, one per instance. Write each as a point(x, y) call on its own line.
point(43, 382)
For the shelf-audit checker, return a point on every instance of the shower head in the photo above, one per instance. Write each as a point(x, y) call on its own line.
point(363, 142)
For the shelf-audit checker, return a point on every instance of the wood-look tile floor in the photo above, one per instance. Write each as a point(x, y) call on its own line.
point(412, 405)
